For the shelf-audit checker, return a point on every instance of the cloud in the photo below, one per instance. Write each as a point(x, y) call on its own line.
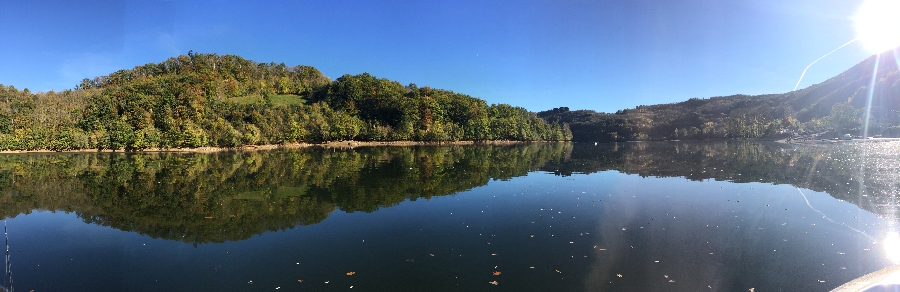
point(87, 65)
point(167, 43)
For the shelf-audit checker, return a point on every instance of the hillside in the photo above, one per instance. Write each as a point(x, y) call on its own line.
point(199, 100)
point(836, 106)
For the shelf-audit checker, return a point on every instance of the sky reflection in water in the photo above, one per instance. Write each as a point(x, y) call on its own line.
point(568, 225)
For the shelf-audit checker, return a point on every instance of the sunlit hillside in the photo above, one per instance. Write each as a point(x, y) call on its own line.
point(201, 100)
point(844, 104)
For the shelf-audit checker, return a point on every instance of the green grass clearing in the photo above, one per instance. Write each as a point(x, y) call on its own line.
point(277, 99)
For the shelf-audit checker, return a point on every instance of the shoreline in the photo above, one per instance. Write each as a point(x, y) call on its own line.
point(350, 144)
point(828, 141)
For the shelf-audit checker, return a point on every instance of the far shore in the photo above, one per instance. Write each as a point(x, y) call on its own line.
point(329, 144)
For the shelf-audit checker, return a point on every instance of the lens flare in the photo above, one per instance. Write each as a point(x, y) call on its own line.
point(820, 58)
point(878, 25)
point(891, 245)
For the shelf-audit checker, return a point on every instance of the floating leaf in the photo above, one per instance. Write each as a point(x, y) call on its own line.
point(350, 273)
point(496, 273)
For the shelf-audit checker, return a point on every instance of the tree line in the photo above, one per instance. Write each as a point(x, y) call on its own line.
point(199, 100)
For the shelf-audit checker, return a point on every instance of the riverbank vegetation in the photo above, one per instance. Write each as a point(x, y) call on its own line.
point(210, 100)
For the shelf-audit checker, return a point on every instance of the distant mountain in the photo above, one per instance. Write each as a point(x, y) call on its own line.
point(836, 106)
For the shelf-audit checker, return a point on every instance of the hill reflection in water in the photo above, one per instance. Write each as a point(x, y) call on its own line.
point(660, 216)
point(230, 196)
point(866, 174)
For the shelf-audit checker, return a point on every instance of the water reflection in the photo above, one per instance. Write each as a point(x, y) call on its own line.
point(232, 196)
point(605, 217)
point(866, 174)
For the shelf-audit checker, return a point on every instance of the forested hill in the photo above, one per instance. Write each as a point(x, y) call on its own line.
point(836, 106)
point(198, 100)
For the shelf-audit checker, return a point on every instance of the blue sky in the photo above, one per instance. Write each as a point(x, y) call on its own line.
point(599, 55)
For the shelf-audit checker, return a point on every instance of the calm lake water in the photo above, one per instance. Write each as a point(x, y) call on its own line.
point(660, 216)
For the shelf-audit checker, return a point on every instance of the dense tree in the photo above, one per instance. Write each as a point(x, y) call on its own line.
point(198, 100)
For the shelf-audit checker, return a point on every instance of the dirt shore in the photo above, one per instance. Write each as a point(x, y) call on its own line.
point(330, 144)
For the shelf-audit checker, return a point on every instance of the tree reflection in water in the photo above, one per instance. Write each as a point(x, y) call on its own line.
point(230, 196)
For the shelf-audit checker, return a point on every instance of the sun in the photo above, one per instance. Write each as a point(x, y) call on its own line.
point(878, 25)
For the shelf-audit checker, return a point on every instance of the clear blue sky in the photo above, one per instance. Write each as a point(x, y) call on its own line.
point(599, 55)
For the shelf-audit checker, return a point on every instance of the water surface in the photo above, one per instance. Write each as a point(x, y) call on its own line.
point(688, 216)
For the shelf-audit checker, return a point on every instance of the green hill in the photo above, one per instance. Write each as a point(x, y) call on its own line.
point(836, 106)
point(199, 100)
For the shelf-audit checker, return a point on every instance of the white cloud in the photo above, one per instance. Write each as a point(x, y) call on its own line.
point(87, 65)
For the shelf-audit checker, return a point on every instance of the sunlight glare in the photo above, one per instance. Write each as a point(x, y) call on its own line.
point(878, 25)
point(892, 246)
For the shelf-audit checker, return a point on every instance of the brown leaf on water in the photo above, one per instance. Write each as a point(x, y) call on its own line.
point(299, 281)
point(350, 273)
point(496, 273)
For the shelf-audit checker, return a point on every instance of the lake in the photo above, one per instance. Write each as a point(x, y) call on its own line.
point(643, 216)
